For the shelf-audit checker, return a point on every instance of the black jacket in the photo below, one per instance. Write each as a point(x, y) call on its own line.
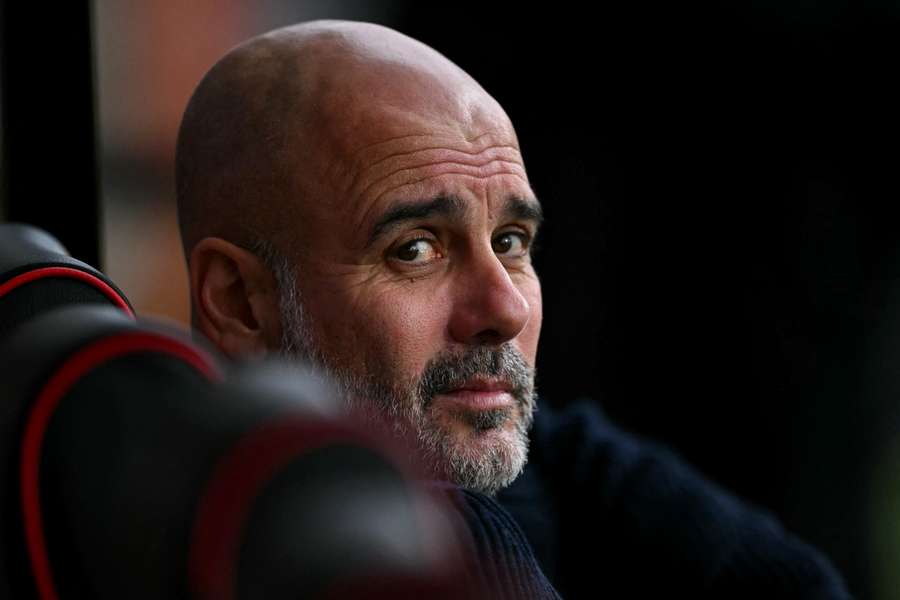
point(611, 515)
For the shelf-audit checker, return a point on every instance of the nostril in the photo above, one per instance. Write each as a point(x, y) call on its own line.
point(489, 336)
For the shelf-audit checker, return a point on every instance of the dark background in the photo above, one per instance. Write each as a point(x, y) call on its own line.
point(722, 246)
point(721, 257)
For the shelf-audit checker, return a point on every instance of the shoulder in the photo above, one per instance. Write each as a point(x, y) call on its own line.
point(642, 507)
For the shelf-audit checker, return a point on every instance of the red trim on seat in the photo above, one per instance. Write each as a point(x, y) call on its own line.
point(68, 273)
point(235, 483)
point(62, 380)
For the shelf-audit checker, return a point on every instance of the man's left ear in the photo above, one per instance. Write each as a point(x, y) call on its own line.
point(235, 298)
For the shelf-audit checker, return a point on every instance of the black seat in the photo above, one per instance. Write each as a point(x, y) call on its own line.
point(37, 275)
point(132, 467)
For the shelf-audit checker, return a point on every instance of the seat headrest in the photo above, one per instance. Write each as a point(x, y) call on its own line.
point(38, 275)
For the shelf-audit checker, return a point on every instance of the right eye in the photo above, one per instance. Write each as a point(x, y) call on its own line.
point(418, 251)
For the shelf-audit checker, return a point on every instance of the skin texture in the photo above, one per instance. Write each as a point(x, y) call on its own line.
point(309, 137)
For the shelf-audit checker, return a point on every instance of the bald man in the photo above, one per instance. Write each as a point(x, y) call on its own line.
point(349, 197)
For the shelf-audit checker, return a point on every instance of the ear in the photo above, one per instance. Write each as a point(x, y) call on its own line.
point(234, 298)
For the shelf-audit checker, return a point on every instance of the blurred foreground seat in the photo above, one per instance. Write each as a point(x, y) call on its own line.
point(132, 469)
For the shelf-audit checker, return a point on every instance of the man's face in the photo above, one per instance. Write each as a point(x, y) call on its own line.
point(417, 291)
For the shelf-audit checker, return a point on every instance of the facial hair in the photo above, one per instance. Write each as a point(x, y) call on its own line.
point(403, 406)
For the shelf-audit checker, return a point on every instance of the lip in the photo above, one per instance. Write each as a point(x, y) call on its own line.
point(481, 394)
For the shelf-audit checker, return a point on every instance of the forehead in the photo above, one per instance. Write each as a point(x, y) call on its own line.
point(428, 134)
point(415, 162)
point(482, 175)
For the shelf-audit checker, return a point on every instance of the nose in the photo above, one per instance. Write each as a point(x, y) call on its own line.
point(489, 308)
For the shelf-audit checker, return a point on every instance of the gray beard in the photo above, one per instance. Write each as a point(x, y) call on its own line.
point(403, 407)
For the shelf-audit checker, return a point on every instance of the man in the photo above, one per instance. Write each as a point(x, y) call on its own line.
point(393, 186)
point(350, 197)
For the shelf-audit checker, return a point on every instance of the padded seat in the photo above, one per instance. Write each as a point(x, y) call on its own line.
point(37, 275)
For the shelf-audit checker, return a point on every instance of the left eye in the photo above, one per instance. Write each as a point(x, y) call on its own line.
point(510, 243)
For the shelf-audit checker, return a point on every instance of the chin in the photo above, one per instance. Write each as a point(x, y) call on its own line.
point(481, 452)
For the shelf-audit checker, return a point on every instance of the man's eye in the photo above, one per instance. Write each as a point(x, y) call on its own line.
point(511, 243)
point(417, 251)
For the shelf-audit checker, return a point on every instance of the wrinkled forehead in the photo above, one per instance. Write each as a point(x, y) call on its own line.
point(361, 112)
point(371, 116)
point(409, 155)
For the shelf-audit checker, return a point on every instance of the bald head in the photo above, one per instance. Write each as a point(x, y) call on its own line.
point(281, 122)
point(392, 198)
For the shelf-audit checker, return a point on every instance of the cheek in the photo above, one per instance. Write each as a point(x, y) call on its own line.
point(528, 339)
point(410, 328)
point(394, 329)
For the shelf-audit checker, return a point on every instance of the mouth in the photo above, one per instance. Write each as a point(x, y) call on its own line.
point(480, 394)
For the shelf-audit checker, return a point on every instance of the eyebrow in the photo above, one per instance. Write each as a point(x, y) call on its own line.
point(516, 208)
point(415, 209)
point(524, 209)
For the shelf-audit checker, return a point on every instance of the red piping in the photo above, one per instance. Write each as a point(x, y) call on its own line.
point(236, 482)
point(48, 399)
point(69, 273)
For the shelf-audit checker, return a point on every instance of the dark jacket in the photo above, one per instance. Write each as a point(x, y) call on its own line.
point(611, 515)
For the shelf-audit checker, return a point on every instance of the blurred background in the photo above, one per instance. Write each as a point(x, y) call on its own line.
point(721, 259)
